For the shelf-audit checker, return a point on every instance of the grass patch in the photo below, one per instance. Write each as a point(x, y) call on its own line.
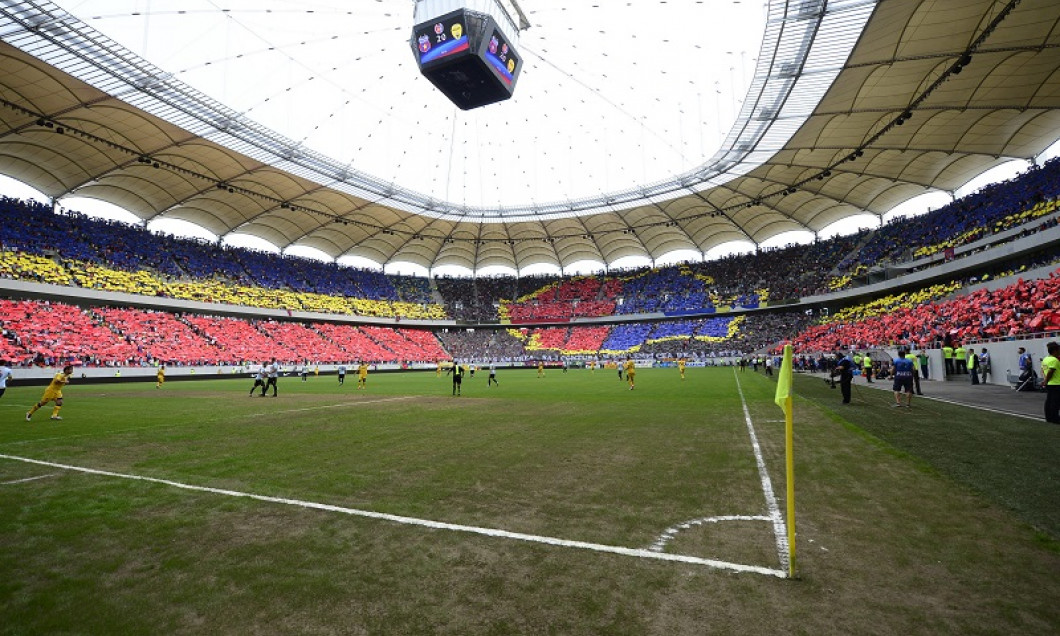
point(884, 546)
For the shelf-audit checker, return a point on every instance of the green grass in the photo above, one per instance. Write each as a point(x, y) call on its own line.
point(896, 533)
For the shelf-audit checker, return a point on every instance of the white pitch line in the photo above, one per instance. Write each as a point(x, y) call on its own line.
point(22, 481)
point(1036, 418)
point(672, 531)
point(334, 406)
point(935, 398)
point(767, 485)
point(427, 523)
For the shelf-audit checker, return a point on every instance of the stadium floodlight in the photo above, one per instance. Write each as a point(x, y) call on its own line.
point(467, 48)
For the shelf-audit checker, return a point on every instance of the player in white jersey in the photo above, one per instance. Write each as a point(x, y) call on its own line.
point(5, 375)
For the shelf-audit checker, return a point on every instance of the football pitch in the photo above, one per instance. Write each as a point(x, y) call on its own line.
point(565, 504)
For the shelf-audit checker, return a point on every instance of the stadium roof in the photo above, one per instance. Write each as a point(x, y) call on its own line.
point(933, 93)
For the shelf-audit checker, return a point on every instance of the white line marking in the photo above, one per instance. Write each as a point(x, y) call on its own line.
point(335, 406)
point(437, 525)
point(22, 481)
point(767, 486)
point(935, 398)
point(672, 531)
point(1036, 418)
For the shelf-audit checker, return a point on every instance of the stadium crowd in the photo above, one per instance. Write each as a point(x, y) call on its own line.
point(71, 249)
point(698, 299)
point(922, 320)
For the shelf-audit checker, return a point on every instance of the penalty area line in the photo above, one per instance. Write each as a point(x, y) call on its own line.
point(426, 523)
point(335, 406)
point(22, 481)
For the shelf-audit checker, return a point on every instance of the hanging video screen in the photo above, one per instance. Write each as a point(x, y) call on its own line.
point(501, 57)
point(444, 38)
point(465, 56)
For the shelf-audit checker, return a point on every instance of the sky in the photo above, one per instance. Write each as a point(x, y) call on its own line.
point(611, 96)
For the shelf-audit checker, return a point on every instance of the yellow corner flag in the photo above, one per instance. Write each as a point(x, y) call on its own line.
point(784, 381)
point(784, 401)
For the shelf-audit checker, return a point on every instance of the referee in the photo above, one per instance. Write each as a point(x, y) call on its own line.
point(458, 376)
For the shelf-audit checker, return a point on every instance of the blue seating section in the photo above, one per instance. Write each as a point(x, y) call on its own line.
point(626, 337)
point(31, 227)
point(980, 211)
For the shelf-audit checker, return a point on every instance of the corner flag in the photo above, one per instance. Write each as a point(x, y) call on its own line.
point(784, 401)
point(784, 381)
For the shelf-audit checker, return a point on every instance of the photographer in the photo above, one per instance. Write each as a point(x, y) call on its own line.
point(844, 369)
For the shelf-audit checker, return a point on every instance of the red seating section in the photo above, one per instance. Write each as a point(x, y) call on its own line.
point(56, 333)
point(583, 297)
point(303, 340)
point(242, 341)
point(427, 342)
point(45, 333)
point(586, 339)
point(403, 348)
point(1020, 308)
point(355, 344)
point(162, 336)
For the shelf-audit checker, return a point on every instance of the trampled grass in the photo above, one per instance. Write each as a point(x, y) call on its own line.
point(891, 539)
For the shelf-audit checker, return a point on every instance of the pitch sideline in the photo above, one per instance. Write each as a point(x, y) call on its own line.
point(783, 550)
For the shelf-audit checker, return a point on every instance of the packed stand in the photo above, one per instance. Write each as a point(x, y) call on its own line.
point(160, 336)
point(70, 248)
point(461, 300)
point(668, 290)
point(585, 296)
point(45, 333)
point(308, 343)
point(994, 208)
point(426, 342)
point(1020, 308)
point(412, 289)
point(355, 344)
point(241, 340)
point(482, 345)
point(404, 348)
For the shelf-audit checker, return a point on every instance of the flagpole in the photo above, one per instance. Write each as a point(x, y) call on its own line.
point(790, 461)
point(785, 401)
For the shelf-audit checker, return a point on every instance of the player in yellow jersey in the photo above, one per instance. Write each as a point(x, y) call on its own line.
point(540, 369)
point(438, 373)
point(54, 393)
point(631, 371)
point(161, 376)
point(681, 367)
point(362, 376)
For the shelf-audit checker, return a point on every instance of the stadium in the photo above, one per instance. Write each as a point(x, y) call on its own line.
point(483, 211)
